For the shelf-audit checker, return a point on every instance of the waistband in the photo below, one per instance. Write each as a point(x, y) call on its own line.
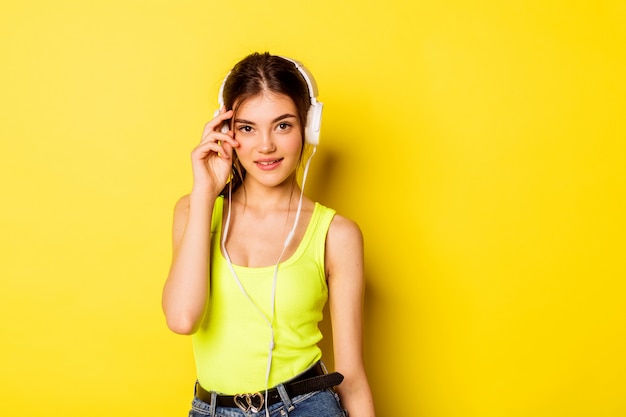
point(313, 379)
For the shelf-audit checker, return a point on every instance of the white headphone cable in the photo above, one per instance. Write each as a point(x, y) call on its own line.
point(269, 320)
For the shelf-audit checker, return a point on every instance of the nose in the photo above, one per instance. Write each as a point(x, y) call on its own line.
point(267, 144)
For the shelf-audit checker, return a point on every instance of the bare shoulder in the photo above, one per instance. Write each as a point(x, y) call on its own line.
point(344, 231)
point(182, 205)
point(344, 245)
point(181, 213)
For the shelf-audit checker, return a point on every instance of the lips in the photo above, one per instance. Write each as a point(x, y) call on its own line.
point(267, 164)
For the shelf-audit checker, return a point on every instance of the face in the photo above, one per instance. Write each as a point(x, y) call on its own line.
point(269, 135)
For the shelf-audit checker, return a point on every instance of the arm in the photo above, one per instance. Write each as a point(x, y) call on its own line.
point(186, 288)
point(344, 264)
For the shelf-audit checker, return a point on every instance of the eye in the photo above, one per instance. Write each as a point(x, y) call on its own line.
point(245, 128)
point(284, 126)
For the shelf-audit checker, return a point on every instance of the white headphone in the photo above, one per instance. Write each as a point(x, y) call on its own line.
point(311, 136)
point(314, 114)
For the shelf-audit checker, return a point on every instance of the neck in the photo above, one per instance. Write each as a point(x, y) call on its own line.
point(259, 197)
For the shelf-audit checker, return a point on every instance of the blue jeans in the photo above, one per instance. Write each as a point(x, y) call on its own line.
point(314, 404)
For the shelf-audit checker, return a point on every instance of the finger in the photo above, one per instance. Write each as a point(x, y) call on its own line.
point(220, 137)
point(217, 122)
point(228, 150)
point(222, 149)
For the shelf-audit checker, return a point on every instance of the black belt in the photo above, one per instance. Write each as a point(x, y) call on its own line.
point(313, 379)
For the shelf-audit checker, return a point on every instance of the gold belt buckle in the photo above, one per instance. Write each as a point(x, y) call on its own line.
point(249, 402)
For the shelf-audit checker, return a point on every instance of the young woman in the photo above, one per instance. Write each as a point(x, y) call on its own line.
point(254, 260)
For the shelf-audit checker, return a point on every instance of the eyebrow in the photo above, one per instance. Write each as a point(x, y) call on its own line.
point(277, 119)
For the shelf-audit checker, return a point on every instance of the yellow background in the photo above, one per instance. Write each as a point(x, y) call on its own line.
point(480, 145)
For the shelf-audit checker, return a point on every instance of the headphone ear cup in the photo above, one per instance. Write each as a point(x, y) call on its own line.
point(313, 124)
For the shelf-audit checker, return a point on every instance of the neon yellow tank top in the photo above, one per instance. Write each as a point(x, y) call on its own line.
point(231, 346)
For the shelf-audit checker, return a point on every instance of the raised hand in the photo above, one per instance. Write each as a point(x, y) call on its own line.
point(211, 160)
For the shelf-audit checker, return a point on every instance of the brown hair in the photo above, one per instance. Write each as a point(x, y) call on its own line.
point(259, 72)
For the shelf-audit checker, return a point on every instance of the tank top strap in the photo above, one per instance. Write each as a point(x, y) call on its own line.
point(322, 217)
point(216, 218)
